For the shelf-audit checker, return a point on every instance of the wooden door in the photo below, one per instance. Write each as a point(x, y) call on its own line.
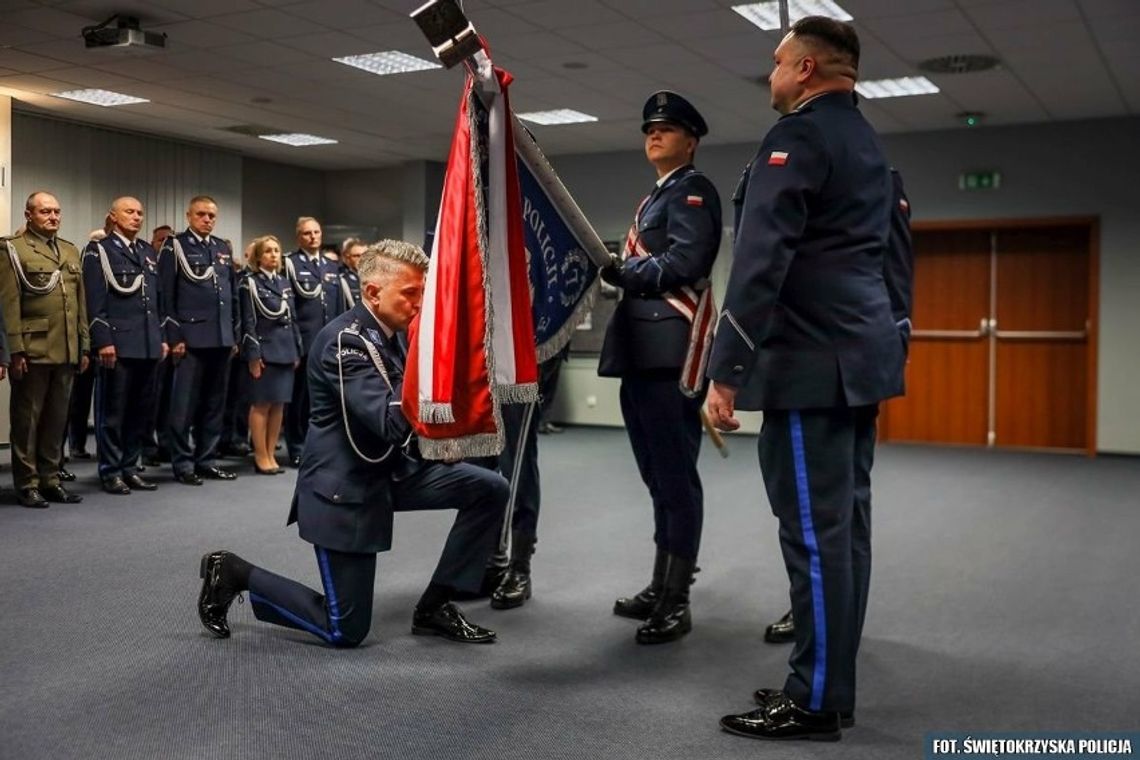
point(947, 374)
point(1041, 327)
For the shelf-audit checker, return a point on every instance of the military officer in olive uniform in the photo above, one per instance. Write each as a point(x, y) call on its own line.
point(657, 343)
point(42, 294)
point(203, 327)
point(120, 274)
point(316, 286)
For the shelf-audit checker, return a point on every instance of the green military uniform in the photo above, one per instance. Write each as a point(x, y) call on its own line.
point(45, 313)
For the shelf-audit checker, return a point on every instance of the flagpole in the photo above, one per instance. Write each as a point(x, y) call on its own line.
point(785, 21)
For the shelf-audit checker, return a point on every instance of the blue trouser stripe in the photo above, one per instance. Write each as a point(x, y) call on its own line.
point(298, 621)
point(819, 671)
point(330, 594)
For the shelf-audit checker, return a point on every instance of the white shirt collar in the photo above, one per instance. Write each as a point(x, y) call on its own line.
point(199, 238)
point(126, 241)
point(388, 331)
point(665, 179)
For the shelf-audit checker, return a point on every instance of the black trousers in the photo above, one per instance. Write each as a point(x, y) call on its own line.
point(235, 419)
point(519, 464)
point(122, 393)
point(157, 436)
point(817, 472)
point(342, 614)
point(664, 427)
point(297, 412)
point(82, 389)
point(197, 401)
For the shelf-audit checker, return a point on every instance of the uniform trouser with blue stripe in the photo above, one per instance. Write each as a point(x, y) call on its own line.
point(817, 471)
point(123, 393)
point(664, 427)
point(197, 404)
point(342, 615)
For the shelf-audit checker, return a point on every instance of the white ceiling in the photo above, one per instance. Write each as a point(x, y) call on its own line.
point(1062, 59)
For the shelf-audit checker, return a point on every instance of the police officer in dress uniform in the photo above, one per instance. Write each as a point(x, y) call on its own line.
point(669, 255)
point(41, 293)
point(350, 252)
point(360, 466)
point(203, 324)
point(316, 286)
point(898, 271)
point(120, 275)
point(808, 336)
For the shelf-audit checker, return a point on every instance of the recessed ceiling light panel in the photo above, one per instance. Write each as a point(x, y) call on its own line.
point(557, 116)
point(104, 98)
point(387, 62)
point(767, 15)
point(896, 88)
point(298, 139)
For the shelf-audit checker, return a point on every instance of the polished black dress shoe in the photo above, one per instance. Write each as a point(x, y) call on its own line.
point(217, 593)
point(782, 631)
point(513, 592)
point(669, 622)
point(447, 621)
point(780, 718)
point(60, 495)
point(846, 719)
point(116, 486)
point(269, 471)
point(639, 606)
point(215, 473)
point(31, 498)
point(188, 479)
point(137, 483)
point(66, 475)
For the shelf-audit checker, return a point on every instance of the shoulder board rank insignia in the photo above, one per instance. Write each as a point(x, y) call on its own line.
point(373, 334)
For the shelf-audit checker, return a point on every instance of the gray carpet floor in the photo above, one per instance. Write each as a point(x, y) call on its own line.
point(1004, 597)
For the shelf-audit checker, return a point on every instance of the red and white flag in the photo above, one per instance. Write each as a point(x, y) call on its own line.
point(472, 346)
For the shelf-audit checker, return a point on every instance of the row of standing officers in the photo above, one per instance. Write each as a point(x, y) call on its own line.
point(127, 307)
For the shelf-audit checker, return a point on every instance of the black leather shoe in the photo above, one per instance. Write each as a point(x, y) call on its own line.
point(31, 498)
point(215, 473)
point(60, 495)
point(780, 718)
point(761, 696)
point(641, 605)
point(188, 479)
point(136, 483)
point(448, 621)
point(116, 486)
point(270, 471)
point(66, 475)
point(782, 631)
point(671, 618)
point(513, 592)
point(217, 593)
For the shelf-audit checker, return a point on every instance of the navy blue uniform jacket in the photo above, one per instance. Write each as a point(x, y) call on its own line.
point(129, 322)
point(342, 501)
point(316, 288)
point(268, 330)
point(807, 319)
point(198, 307)
point(679, 226)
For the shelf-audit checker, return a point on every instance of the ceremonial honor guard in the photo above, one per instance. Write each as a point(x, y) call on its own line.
point(361, 465)
point(316, 287)
point(121, 279)
point(41, 293)
point(657, 343)
point(808, 336)
point(270, 347)
point(202, 322)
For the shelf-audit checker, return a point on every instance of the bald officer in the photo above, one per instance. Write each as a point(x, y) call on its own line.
point(649, 344)
point(42, 295)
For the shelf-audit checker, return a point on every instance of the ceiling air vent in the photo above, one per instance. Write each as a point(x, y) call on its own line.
point(959, 64)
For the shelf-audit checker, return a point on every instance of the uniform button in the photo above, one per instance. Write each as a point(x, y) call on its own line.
point(336, 497)
point(655, 314)
point(738, 368)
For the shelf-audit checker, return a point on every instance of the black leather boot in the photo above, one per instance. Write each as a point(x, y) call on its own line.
point(515, 588)
point(671, 618)
point(782, 631)
point(640, 606)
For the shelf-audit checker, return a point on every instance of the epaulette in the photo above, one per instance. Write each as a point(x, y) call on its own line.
point(353, 329)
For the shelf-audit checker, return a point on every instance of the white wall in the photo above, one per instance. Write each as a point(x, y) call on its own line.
point(1076, 168)
point(87, 167)
point(274, 195)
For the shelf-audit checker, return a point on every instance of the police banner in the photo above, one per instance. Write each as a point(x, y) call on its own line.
point(563, 250)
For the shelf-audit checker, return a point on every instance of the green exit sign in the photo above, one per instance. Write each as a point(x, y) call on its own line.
point(982, 180)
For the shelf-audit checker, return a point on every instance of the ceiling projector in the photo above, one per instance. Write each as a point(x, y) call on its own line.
point(122, 34)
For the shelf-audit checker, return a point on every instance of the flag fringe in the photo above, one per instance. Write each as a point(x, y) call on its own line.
point(436, 413)
point(520, 393)
point(453, 449)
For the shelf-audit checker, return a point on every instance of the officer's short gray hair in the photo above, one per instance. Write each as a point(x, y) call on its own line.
point(384, 258)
